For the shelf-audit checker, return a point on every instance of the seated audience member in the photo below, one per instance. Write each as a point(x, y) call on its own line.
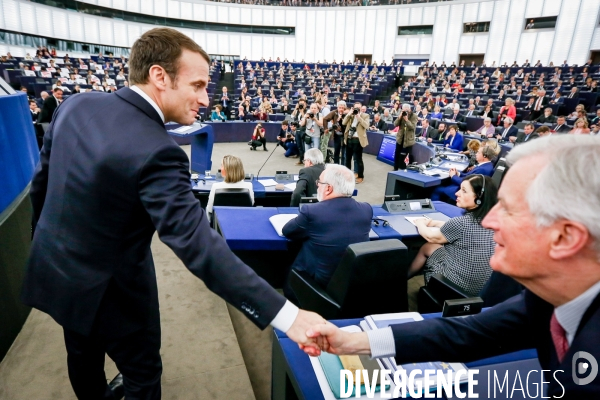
point(472, 149)
point(286, 139)
point(218, 114)
point(328, 227)
point(447, 191)
point(387, 117)
point(527, 134)
point(245, 110)
point(543, 131)
point(460, 249)
point(453, 139)
point(427, 132)
point(487, 112)
point(307, 177)
point(233, 173)
point(486, 130)
point(507, 130)
point(507, 111)
point(437, 113)
point(549, 247)
point(547, 117)
point(258, 138)
point(580, 127)
point(441, 134)
point(378, 124)
point(561, 125)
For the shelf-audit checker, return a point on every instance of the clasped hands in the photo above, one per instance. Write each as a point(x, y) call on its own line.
point(315, 335)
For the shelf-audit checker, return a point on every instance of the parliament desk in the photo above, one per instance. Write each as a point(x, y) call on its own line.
point(293, 376)
point(250, 235)
point(415, 185)
point(232, 131)
point(263, 196)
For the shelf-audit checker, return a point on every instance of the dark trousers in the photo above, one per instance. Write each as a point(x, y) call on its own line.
point(339, 149)
point(260, 141)
point(300, 144)
point(290, 148)
point(137, 356)
point(401, 152)
point(354, 149)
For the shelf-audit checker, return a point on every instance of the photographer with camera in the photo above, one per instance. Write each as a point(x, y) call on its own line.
point(258, 138)
point(296, 116)
point(336, 118)
point(313, 124)
point(355, 138)
point(286, 139)
point(405, 137)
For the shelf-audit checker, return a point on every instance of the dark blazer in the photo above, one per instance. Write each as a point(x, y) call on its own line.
point(327, 228)
point(98, 196)
point(512, 131)
point(431, 133)
point(486, 169)
point(307, 183)
point(380, 126)
point(521, 137)
point(544, 120)
point(522, 322)
point(48, 108)
point(563, 128)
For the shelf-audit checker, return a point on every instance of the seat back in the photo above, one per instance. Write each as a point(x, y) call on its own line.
point(498, 175)
point(371, 279)
point(235, 197)
point(439, 289)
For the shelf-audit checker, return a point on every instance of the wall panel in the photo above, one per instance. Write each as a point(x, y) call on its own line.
point(234, 15)
point(199, 12)
point(90, 27)
point(497, 31)
point(552, 7)
point(440, 29)
point(534, 8)
point(11, 12)
point(428, 15)
point(133, 5)
point(470, 12)
point(359, 36)
point(160, 8)
point(565, 26)
point(543, 46)
point(120, 30)
point(514, 30)
point(480, 45)
point(486, 10)
point(416, 16)
point(234, 44)
point(390, 34)
point(466, 44)
point(526, 47)
point(349, 36)
point(268, 17)
point(454, 32)
point(369, 36)
point(586, 22)
point(106, 31)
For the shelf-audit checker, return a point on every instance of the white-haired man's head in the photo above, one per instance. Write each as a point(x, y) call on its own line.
point(335, 181)
point(314, 157)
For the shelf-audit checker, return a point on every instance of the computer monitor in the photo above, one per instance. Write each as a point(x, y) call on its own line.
point(387, 150)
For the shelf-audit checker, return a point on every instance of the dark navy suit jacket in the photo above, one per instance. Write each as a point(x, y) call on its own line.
point(109, 177)
point(327, 228)
point(486, 169)
point(522, 322)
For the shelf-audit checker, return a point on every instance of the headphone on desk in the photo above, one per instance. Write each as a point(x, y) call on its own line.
point(385, 223)
point(478, 201)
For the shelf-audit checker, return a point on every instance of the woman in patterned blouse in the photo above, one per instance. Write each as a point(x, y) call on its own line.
point(460, 249)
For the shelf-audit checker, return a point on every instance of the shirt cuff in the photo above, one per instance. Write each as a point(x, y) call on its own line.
point(382, 343)
point(285, 317)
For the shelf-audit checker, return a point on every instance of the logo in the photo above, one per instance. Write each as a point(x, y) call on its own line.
point(580, 367)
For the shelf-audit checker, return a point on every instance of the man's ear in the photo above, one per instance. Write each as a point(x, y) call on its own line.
point(158, 77)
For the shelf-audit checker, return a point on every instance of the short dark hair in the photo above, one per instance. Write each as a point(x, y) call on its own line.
point(57, 89)
point(162, 47)
point(487, 197)
point(285, 123)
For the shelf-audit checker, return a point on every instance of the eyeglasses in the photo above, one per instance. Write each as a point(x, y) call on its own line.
point(318, 182)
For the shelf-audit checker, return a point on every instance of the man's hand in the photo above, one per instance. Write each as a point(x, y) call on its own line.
point(336, 341)
point(452, 172)
point(298, 332)
point(512, 139)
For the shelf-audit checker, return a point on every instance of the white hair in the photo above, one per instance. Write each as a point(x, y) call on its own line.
point(568, 187)
point(457, 107)
point(315, 156)
point(508, 119)
point(341, 103)
point(487, 119)
point(340, 178)
point(406, 107)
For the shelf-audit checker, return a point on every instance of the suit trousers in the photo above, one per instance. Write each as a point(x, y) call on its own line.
point(354, 149)
point(400, 155)
point(137, 356)
point(339, 149)
point(300, 144)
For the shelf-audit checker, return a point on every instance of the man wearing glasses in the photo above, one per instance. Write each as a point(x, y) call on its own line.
point(329, 226)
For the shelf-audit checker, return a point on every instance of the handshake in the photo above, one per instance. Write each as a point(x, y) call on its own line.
point(315, 335)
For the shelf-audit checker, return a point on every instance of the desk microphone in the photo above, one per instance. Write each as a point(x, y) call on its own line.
point(273, 151)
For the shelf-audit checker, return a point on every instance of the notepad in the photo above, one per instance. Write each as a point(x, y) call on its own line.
point(267, 182)
point(278, 221)
point(291, 186)
point(413, 219)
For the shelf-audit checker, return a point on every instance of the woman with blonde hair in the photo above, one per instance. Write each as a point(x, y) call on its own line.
point(233, 173)
point(580, 127)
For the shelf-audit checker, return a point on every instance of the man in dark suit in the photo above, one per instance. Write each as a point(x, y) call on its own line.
point(539, 104)
point(103, 187)
point(378, 124)
point(574, 93)
point(527, 134)
point(50, 105)
point(427, 132)
point(561, 125)
point(547, 118)
point(447, 191)
point(557, 261)
point(307, 177)
point(508, 130)
point(225, 102)
point(328, 227)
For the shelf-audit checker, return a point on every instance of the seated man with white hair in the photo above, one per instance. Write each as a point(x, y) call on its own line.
point(308, 176)
point(547, 232)
point(328, 227)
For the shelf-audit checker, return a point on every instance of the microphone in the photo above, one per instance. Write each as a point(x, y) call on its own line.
point(272, 151)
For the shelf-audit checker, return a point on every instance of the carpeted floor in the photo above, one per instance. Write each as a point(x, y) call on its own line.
point(209, 350)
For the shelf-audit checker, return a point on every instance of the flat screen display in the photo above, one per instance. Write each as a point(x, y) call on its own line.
point(387, 150)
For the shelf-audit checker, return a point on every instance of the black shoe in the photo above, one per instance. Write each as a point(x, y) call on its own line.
point(252, 148)
point(116, 386)
point(265, 149)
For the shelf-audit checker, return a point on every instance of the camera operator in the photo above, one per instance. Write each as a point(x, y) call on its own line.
point(286, 139)
point(296, 116)
point(336, 118)
point(355, 138)
point(405, 137)
point(313, 124)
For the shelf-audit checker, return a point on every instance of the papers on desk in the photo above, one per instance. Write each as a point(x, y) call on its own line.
point(413, 219)
point(291, 186)
point(380, 321)
point(278, 221)
point(185, 129)
point(267, 182)
point(436, 172)
point(296, 177)
point(457, 166)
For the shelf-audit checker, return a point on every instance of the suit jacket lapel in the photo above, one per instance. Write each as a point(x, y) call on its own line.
point(135, 99)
